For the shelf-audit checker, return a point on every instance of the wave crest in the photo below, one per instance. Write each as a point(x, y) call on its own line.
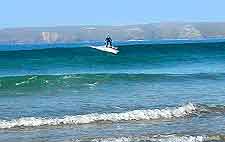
point(149, 114)
point(155, 138)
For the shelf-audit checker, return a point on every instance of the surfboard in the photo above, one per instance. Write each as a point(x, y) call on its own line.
point(113, 50)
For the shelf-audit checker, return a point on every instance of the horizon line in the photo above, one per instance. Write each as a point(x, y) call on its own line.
point(107, 25)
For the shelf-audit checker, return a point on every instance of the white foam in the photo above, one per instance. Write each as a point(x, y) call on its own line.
point(149, 114)
point(70, 76)
point(67, 76)
point(23, 82)
point(27, 81)
point(33, 77)
point(156, 138)
point(92, 85)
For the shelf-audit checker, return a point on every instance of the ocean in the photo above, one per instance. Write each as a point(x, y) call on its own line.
point(151, 91)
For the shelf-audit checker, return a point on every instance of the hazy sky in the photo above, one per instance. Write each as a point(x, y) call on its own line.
point(17, 13)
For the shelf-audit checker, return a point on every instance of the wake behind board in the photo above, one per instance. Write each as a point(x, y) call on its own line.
point(106, 49)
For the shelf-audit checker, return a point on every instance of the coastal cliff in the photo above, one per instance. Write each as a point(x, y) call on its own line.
point(62, 34)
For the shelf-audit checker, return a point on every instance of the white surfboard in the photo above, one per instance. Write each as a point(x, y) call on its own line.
point(106, 49)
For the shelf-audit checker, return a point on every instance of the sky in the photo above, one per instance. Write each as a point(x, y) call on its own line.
point(39, 13)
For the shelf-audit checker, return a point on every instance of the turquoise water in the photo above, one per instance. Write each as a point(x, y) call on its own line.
point(160, 91)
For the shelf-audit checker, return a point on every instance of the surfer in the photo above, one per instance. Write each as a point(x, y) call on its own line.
point(108, 41)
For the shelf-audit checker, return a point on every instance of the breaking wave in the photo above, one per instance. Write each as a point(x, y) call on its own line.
point(137, 115)
point(155, 138)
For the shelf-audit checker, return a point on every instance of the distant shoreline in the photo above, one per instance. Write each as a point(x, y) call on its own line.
point(154, 31)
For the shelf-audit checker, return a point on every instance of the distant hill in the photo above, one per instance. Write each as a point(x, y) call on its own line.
point(62, 34)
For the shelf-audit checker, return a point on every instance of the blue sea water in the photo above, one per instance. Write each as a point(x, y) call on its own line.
point(151, 91)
